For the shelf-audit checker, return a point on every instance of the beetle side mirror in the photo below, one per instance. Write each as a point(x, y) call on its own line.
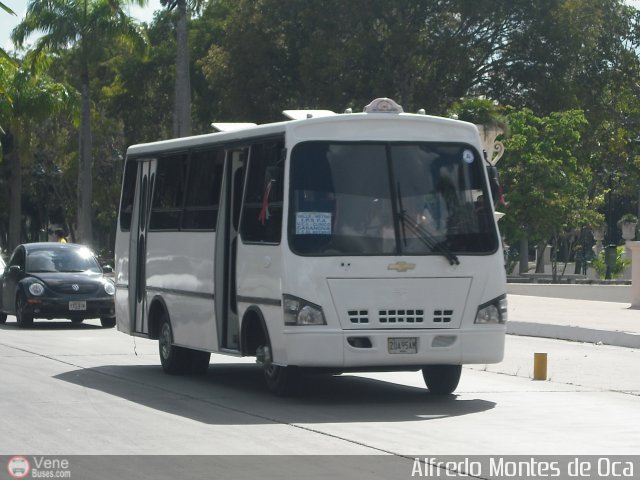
point(15, 269)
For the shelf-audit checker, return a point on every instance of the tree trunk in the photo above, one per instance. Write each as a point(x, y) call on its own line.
point(524, 256)
point(85, 181)
point(182, 100)
point(540, 254)
point(581, 255)
point(15, 199)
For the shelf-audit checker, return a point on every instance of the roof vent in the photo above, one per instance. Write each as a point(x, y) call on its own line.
point(383, 105)
point(231, 127)
point(303, 114)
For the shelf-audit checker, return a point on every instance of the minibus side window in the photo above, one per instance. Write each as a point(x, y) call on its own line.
point(168, 193)
point(203, 190)
point(128, 194)
point(262, 210)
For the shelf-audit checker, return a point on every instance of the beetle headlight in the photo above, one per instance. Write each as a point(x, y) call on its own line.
point(493, 312)
point(109, 288)
point(300, 312)
point(36, 289)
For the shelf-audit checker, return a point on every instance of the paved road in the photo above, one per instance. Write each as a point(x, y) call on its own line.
point(67, 389)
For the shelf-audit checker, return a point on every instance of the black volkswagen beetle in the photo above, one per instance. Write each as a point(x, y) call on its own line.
point(55, 280)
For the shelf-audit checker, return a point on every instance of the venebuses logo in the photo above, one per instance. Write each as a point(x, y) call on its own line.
point(18, 467)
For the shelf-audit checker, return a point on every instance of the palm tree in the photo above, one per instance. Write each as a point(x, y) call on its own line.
point(4, 54)
point(33, 99)
point(89, 28)
point(182, 99)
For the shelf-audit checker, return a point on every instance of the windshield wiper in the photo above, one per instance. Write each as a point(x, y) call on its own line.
point(402, 215)
point(428, 239)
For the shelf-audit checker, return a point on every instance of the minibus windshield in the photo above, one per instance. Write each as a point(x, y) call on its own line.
point(421, 198)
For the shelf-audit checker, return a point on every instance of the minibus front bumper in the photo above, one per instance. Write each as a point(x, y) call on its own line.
point(388, 349)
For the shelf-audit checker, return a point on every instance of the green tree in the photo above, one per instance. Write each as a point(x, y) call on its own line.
point(89, 28)
point(140, 93)
point(33, 98)
point(546, 183)
point(4, 54)
point(182, 93)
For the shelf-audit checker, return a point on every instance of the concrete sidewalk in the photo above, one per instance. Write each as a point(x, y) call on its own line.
point(609, 323)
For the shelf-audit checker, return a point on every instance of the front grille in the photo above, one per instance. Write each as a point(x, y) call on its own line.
point(68, 289)
point(442, 316)
point(401, 316)
point(359, 316)
point(365, 318)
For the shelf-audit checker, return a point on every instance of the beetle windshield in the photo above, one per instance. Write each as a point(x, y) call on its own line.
point(62, 260)
point(389, 199)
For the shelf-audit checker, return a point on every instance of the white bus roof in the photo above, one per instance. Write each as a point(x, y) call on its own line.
point(341, 127)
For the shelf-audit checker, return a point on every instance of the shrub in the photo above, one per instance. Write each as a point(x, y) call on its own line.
point(617, 270)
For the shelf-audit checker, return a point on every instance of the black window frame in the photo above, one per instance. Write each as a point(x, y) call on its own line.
point(181, 209)
point(128, 195)
point(167, 205)
point(218, 157)
point(273, 172)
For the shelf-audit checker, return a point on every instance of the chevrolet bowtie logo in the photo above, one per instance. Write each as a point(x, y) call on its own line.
point(401, 266)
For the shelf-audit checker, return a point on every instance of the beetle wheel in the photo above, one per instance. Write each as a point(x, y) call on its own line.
point(24, 320)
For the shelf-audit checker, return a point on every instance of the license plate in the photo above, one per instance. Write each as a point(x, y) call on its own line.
point(402, 345)
point(77, 305)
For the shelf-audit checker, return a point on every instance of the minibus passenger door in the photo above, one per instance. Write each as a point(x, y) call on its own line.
point(138, 245)
point(226, 250)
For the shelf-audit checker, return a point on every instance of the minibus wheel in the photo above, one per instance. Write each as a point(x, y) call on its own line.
point(199, 362)
point(282, 381)
point(442, 379)
point(3, 318)
point(174, 359)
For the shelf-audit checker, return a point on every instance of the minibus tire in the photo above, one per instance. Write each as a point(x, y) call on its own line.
point(199, 363)
point(441, 379)
point(175, 360)
point(282, 381)
point(3, 318)
point(107, 322)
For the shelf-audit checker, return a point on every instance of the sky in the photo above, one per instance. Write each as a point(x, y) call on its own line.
point(8, 22)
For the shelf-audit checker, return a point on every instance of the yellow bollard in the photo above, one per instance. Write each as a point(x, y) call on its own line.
point(539, 366)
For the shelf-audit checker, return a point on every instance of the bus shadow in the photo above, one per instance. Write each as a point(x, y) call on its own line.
point(235, 394)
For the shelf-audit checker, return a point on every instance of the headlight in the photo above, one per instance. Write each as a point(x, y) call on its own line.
point(301, 312)
point(493, 312)
point(109, 288)
point(36, 289)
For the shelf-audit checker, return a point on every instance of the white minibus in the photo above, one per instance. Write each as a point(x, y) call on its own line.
point(324, 243)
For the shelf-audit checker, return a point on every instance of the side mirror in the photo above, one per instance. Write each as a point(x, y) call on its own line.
point(494, 184)
point(15, 269)
point(107, 269)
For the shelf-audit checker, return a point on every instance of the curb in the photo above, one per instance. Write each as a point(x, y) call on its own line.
point(574, 334)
